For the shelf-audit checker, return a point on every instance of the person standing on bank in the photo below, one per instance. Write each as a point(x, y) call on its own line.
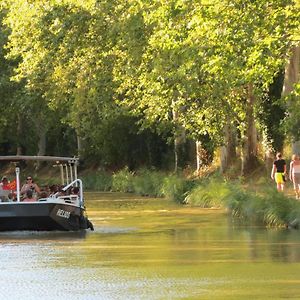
point(279, 171)
point(295, 174)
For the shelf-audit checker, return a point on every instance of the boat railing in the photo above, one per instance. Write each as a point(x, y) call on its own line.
point(71, 199)
point(76, 182)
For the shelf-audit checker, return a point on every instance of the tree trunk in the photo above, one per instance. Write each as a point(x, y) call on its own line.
point(42, 132)
point(19, 135)
point(42, 143)
point(296, 147)
point(249, 139)
point(179, 140)
point(228, 150)
point(79, 144)
point(198, 156)
point(268, 153)
point(291, 77)
point(179, 149)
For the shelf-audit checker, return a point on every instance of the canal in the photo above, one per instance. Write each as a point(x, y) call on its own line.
point(145, 248)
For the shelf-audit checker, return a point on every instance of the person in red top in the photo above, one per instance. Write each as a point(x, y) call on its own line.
point(5, 183)
point(7, 189)
point(279, 171)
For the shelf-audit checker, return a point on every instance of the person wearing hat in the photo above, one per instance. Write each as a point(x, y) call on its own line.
point(4, 183)
point(4, 189)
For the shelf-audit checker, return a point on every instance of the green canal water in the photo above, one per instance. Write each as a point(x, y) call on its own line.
point(146, 248)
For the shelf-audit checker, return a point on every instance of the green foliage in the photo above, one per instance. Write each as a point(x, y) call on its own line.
point(148, 183)
point(268, 207)
point(100, 181)
point(273, 109)
point(77, 62)
point(237, 200)
point(176, 187)
point(122, 181)
point(209, 193)
point(292, 120)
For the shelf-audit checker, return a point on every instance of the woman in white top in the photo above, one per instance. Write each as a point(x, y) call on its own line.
point(295, 174)
point(30, 185)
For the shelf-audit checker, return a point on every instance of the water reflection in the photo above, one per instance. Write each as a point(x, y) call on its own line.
point(151, 249)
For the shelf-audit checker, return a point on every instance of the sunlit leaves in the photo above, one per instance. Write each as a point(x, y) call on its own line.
point(87, 58)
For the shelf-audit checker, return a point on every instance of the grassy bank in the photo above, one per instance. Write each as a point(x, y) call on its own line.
point(250, 203)
point(142, 182)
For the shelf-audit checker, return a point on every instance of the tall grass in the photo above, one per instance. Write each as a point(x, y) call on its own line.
point(148, 183)
point(268, 207)
point(176, 188)
point(151, 183)
point(122, 181)
point(208, 193)
point(99, 181)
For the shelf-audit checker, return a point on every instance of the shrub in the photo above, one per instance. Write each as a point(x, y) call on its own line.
point(100, 181)
point(122, 181)
point(269, 208)
point(238, 202)
point(175, 188)
point(148, 183)
point(209, 193)
point(277, 208)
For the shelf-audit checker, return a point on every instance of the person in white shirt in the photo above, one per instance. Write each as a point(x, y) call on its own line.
point(30, 185)
point(295, 174)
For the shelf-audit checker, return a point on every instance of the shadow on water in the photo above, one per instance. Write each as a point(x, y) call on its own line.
point(42, 235)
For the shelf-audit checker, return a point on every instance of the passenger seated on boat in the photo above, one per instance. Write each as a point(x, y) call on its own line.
point(53, 189)
point(29, 196)
point(4, 183)
point(4, 190)
point(12, 197)
point(43, 194)
point(30, 185)
point(61, 191)
point(75, 190)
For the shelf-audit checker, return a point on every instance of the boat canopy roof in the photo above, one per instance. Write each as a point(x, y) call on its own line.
point(57, 159)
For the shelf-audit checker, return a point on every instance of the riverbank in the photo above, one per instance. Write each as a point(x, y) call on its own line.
point(250, 200)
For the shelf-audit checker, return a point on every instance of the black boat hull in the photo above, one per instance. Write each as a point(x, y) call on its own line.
point(42, 217)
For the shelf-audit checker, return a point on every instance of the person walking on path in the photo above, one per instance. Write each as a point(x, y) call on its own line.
point(294, 174)
point(279, 171)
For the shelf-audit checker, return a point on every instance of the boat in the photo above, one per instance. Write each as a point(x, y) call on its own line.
point(60, 211)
